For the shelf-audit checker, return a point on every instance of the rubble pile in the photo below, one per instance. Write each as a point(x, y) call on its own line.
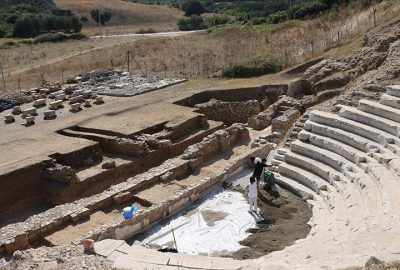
point(118, 83)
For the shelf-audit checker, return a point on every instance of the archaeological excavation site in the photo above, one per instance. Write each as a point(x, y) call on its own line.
point(76, 155)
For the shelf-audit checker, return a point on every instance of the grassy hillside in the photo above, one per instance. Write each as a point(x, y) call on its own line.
point(27, 18)
point(196, 55)
point(126, 16)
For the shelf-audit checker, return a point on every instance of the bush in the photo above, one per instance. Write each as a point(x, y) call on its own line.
point(3, 31)
point(303, 10)
point(217, 20)
point(192, 7)
point(58, 37)
point(195, 22)
point(277, 17)
point(146, 31)
point(104, 16)
point(8, 45)
point(258, 21)
point(30, 26)
point(257, 67)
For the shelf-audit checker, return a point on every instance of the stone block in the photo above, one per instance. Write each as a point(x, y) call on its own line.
point(80, 214)
point(55, 104)
point(88, 244)
point(99, 100)
point(29, 120)
point(87, 93)
point(61, 97)
point(88, 103)
point(75, 107)
point(108, 165)
point(29, 111)
point(50, 114)
point(16, 110)
point(9, 118)
point(39, 102)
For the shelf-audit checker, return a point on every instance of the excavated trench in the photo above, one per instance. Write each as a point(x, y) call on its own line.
point(162, 169)
point(68, 177)
point(234, 105)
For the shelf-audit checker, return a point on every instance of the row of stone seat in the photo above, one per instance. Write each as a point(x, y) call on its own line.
point(347, 167)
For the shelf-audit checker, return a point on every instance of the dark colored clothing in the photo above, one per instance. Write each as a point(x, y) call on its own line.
point(258, 168)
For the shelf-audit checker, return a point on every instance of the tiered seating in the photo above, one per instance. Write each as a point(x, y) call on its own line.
point(347, 167)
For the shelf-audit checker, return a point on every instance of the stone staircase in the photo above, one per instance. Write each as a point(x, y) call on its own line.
point(347, 167)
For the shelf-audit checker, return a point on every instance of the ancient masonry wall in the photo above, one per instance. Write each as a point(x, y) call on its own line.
point(229, 112)
point(21, 235)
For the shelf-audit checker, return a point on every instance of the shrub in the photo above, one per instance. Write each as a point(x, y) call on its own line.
point(104, 16)
point(8, 45)
point(258, 21)
point(195, 22)
point(3, 31)
point(192, 7)
point(303, 10)
point(58, 37)
point(277, 17)
point(146, 31)
point(217, 20)
point(256, 67)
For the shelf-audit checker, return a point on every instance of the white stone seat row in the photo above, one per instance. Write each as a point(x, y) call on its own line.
point(378, 122)
point(358, 176)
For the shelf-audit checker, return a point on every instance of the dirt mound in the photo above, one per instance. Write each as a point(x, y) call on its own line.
point(286, 220)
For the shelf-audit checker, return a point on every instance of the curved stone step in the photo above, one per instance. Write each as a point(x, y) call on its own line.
point(309, 180)
point(351, 195)
point(334, 200)
point(340, 142)
point(380, 110)
point(349, 125)
point(366, 186)
point(393, 90)
point(390, 101)
point(372, 120)
point(359, 142)
point(336, 161)
point(385, 183)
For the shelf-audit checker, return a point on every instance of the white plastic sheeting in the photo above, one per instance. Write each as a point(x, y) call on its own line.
point(194, 236)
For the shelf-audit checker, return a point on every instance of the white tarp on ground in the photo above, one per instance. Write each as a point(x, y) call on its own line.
point(194, 236)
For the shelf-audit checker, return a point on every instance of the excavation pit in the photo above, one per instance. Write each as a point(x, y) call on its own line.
point(219, 224)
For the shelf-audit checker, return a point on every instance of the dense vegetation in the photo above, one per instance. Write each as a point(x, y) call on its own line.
point(103, 17)
point(255, 67)
point(276, 11)
point(29, 18)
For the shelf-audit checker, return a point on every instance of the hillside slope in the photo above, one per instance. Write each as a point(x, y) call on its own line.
point(127, 16)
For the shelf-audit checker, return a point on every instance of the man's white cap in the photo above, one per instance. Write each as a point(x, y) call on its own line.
point(257, 160)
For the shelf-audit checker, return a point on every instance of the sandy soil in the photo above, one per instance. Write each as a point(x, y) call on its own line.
point(286, 217)
point(213, 216)
point(75, 231)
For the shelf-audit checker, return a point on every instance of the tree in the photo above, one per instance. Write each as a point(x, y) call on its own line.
point(23, 27)
point(192, 7)
point(3, 30)
point(49, 23)
point(76, 24)
point(104, 16)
